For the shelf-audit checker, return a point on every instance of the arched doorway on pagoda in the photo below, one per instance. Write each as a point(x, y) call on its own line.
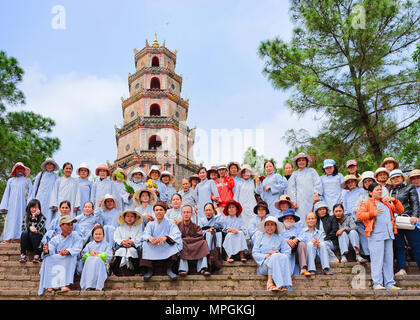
point(155, 83)
point(155, 142)
point(155, 110)
point(155, 62)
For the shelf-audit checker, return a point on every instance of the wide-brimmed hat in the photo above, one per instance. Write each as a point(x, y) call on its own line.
point(50, 160)
point(221, 166)
point(301, 155)
point(289, 212)
point(263, 204)
point(194, 176)
point(351, 162)
point(328, 163)
point(212, 169)
point(343, 184)
point(103, 166)
point(379, 170)
point(167, 173)
point(66, 219)
point(238, 206)
point(20, 164)
point(156, 168)
point(261, 225)
point(109, 196)
point(395, 173)
point(120, 217)
point(283, 198)
point(390, 159)
point(234, 163)
point(137, 194)
point(85, 166)
point(247, 167)
point(413, 173)
point(118, 170)
point(365, 175)
point(135, 170)
point(319, 205)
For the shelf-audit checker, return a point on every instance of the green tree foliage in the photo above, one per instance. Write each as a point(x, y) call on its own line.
point(23, 135)
point(350, 62)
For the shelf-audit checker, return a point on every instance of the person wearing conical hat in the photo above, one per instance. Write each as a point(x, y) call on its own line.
point(351, 193)
point(245, 193)
point(127, 237)
point(85, 185)
point(43, 186)
point(15, 198)
point(168, 190)
point(283, 204)
point(194, 180)
point(103, 185)
point(119, 185)
point(304, 185)
point(137, 180)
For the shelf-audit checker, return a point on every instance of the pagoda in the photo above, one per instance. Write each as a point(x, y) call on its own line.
point(154, 130)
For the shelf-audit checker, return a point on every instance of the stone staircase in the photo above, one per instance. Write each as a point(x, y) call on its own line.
point(235, 281)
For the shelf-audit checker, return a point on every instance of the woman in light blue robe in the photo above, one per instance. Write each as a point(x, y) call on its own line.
point(272, 187)
point(137, 180)
point(95, 269)
point(43, 186)
point(86, 221)
point(211, 221)
point(15, 196)
point(167, 180)
point(276, 266)
point(57, 271)
point(108, 216)
point(205, 189)
point(54, 228)
point(261, 212)
point(350, 198)
point(66, 188)
point(85, 185)
point(304, 184)
point(245, 195)
point(235, 242)
point(174, 214)
point(331, 181)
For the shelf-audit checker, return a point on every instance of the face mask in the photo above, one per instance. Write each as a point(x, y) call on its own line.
point(288, 225)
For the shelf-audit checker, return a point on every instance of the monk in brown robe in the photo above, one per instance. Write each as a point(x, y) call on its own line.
point(194, 247)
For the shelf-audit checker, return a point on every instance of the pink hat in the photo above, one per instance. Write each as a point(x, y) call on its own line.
point(351, 163)
point(20, 164)
point(102, 166)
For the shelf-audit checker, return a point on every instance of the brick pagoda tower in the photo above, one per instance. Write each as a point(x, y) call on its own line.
point(154, 130)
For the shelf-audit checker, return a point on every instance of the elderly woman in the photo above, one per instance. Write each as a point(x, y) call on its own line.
point(272, 187)
point(212, 225)
point(60, 258)
point(15, 197)
point(244, 194)
point(407, 195)
point(304, 185)
point(162, 241)
point(272, 255)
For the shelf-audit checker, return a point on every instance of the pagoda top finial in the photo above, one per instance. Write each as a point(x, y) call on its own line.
point(155, 42)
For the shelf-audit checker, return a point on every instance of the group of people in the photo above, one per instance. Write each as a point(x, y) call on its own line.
point(137, 222)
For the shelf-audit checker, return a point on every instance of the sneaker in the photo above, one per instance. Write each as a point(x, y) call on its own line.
point(360, 259)
point(402, 272)
point(394, 288)
point(22, 258)
point(343, 259)
point(379, 287)
point(36, 259)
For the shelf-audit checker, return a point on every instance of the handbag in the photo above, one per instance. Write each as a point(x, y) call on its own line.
point(215, 259)
point(403, 222)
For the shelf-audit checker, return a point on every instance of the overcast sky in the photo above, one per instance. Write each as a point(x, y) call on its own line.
point(77, 75)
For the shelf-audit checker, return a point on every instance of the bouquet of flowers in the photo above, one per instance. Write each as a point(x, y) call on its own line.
point(128, 188)
point(151, 185)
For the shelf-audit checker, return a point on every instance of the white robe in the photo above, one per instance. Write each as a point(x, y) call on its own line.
point(65, 189)
point(244, 194)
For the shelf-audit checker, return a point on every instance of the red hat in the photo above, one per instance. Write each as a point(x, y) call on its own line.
point(238, 206)
point(103, 166)
point(351, 163)
point(20, 164)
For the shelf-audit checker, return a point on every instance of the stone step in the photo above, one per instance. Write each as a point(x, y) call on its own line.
point(326, 294)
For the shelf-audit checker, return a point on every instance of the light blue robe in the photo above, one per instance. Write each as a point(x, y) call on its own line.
point(323, 252)
point(278, 186)
point(237, 180)
point(100, 188)
point(128, 202)
point(204, 190)
point(302, 186)
point(85, 188)
point(244, 194)
point(253, 228)
point(349, 200)
point(161, 187)
point(14, 201)
point(331, 190)
point(44, 193)
point(295, 231)
point(167, 193)
point(119, 189)
point(84, 225)
point(58, 271)
point(65, 189)
point(164, 250)
point(94, 272)
point(143, 211)
point(277, 265)
point(234, 243)
point(124, 232)
point(189, 197)
point(173, 214)
point(108, 219)
point(216, 222)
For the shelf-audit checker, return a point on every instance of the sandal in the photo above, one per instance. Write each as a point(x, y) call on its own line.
point(22, 258)
point(50, 290)
point(271, 286)
point(282, 289)
point(230, 260)
point(65, 289)
point(182, 273)
point(243, 259)
point(204, 272)
point(36, 259)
